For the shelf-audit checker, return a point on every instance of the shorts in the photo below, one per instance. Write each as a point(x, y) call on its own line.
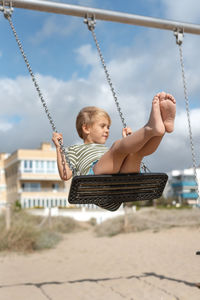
point(91, 172)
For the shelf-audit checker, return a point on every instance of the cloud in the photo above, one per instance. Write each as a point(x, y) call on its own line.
point(87, 56)
point(5, 126)
point(138, 71)
point(55, 26)
point(182, 10)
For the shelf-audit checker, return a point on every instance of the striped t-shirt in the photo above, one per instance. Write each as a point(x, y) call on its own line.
point(82, 156)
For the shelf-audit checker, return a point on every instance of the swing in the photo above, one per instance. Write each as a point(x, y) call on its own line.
point(110, 191)
point(105, 191)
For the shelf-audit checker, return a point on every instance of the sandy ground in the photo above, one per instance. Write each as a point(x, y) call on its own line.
point(142, 265)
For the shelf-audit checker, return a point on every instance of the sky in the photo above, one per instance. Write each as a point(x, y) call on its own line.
point(141, 61)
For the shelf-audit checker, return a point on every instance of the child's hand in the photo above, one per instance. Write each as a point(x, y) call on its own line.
point(56, 138)
point(126, 131)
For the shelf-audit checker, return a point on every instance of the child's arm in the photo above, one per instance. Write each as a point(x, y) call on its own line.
point(126, 131)
point(63, 168)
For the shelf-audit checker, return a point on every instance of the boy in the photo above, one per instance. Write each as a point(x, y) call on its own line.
point(126, 154)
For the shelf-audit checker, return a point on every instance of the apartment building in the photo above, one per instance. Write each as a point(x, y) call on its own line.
point(183, 186)
point(3, 189)
point(31, 177)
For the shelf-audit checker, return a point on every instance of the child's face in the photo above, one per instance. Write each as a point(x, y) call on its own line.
point(98, 132)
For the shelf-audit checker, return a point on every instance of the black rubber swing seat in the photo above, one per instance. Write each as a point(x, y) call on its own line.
point(110, 191)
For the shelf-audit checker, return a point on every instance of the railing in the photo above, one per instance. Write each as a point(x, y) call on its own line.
point(42, 190)
point(101, 14)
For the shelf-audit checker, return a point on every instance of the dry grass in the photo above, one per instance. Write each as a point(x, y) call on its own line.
point(26, 233)
point(30, 233)
point(63, 225)
point(150, 219)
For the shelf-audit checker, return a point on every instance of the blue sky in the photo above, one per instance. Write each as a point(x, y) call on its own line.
point(51, 39)
point(141, 62)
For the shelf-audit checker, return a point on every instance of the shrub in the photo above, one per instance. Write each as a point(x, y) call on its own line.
point(110, 227)
point(46, 240)
point(63, 224)
point(26, 234)
point(150, 219)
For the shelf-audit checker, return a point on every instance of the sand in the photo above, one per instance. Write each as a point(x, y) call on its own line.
point(142, 265)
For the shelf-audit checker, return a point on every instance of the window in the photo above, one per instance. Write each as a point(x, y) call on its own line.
point(31, 186)
point(55, 186)
point(51, 166)
point(28, 166)
point(39, 166)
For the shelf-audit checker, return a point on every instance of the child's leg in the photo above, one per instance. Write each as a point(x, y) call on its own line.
point(151, 146)
point(126, 154)
point(112, 161)
point(133, 161)
point(168, 111)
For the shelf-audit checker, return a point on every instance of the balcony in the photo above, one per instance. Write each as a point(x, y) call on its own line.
point(38, 176)
point(43, 192)
point(191, 195)
point(187, 184)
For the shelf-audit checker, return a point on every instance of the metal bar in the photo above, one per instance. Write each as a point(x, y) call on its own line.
point(101, 14)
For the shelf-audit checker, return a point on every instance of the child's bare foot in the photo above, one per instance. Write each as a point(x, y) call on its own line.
point(155, 122)
point(168, 110)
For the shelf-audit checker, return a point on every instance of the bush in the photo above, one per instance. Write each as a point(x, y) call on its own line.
point(150, 219)
point(26, 234)
point(92, 222)
point(110, 227)
point(63, 225)
point(46, 240)
point(164, 202)
point(17, 206)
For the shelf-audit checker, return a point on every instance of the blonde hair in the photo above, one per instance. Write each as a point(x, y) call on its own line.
point(87, 116)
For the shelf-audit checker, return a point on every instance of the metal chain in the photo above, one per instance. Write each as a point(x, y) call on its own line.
point(7, 15)
point(179, 39)
point(91, 26)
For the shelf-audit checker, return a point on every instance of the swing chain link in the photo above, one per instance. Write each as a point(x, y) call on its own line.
point(91, 22)
point(7, 15)
point(91, 26)
point(179, 40)
point(6, 11)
